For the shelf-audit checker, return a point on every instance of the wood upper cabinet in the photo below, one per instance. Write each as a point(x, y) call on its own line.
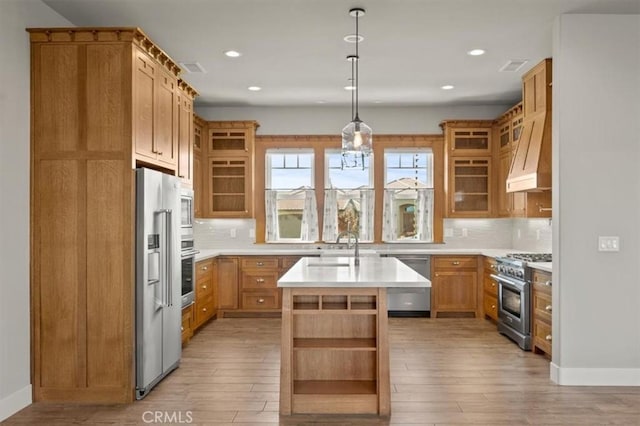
point(454, 285)
point(199, 149)
point(155, 111)
point(541, 307)
point(95, 96)
point(185, 133)
point(230, 160)
point(469, 184)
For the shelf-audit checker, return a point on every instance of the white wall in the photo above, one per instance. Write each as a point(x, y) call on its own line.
point(15, 16)
point(325, 120)
point(596, 189)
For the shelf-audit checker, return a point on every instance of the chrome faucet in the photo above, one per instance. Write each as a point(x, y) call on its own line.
point(350, 233)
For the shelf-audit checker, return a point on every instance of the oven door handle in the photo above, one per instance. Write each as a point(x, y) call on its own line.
point(190, 253)
point(507, 281)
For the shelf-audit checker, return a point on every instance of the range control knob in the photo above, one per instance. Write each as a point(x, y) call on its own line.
point(511, 271)
point(520, 274)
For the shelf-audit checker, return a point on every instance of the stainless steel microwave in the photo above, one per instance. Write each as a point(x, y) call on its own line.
point(186, 208)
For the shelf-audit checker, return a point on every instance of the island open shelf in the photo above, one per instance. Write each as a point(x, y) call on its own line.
point(335, 356)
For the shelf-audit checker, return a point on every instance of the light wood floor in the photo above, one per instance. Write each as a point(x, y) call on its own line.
point(444, 371)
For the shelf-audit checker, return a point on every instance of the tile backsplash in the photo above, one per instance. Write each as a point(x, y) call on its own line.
point(519, 234)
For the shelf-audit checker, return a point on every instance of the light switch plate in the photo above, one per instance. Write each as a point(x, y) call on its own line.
point(252, 232)
point(232, 232)
point(608, 243)
point(465, 232)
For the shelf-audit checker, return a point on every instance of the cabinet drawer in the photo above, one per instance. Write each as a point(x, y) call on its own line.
point(204, 289)
point(287, 262)
point(542, 278)
point(455, 262)
point(542, 306)
point(542, 335)
point(204, 310)
point(491, 306)
point(260, 300)
point(204, 267)
point(490, 286)
point(259, 263)
point(258, 279)
point(489, 265)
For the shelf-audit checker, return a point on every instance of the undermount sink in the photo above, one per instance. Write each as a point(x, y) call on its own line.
point(327, 264)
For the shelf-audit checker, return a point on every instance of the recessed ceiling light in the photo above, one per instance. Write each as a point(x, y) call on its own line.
point(377, 102)
point(232, 53)
point(254, 88)
point(351, 38)
point(321, 102)
point(476, 52)
point(447, 87)
point(349, 87)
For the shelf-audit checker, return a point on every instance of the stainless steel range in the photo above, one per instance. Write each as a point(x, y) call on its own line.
point(514, 295)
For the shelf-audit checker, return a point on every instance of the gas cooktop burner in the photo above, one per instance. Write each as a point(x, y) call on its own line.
point(531, 257)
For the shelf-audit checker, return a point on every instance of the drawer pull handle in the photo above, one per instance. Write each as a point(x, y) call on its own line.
point(493, 284)
point(455, 263)
point(260, 300)
point(493, 266)
point(159, 152)
point(493, 306)
point(181, 328)
point(204, 309)
point(204, 268)
point(547, 337)
point(259, 263)
point(259, 280)
point(547, 283)
point(204, 287)
point(547, 308)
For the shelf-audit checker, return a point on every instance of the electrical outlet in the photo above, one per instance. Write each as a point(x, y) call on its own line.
point(609, 243)
point(232, 232)
point(518, 234)
point(465, 232)
point(252, 232)
point(448, 232)
point(537, 234)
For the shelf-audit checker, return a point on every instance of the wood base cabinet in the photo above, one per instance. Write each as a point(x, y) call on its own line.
point(490, 289)
point(335, 351)
point(542, 307)
point(454, 285)
point(187, 324)
point(206, 300)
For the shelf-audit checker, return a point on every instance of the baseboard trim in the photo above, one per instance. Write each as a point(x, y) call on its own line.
point(15, 402)
point(594, 376)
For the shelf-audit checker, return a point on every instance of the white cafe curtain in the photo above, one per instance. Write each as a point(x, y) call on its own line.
point(309, 228)
point(271, 212)
point(424, 214)
point(389, 231)
point(330, 220)
point(366, 214)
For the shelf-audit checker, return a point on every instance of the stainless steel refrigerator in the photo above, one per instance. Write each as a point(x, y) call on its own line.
point(158, 283)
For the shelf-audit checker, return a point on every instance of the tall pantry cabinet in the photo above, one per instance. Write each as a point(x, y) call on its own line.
point(102, 101)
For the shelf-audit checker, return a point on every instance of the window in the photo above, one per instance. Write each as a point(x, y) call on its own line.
point(290, 201)
point(408, 195)
point(348, 198)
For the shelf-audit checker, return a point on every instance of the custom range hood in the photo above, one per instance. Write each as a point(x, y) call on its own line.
point(531, 166)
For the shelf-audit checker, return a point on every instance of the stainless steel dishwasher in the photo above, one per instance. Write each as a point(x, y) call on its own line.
point(411, 302)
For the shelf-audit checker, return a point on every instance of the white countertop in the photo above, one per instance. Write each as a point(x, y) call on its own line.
point(269, 250)
point(372, 272)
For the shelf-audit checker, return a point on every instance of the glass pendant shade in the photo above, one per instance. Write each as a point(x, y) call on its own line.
point(357, 138)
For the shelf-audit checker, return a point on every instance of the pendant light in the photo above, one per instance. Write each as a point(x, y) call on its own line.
point(357, 137)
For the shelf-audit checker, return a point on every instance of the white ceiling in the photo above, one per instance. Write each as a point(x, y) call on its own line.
point(294, 49)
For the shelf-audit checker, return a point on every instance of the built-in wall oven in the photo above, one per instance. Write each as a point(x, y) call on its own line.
point(188, 251)
point(514, 296)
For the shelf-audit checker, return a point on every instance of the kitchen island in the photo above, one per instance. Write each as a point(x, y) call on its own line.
point(335, 346)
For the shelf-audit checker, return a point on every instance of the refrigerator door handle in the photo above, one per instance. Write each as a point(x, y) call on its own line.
point(169, 252)
point(166, 255)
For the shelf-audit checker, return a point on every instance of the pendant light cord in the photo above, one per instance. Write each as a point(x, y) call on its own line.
point(357, 59)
